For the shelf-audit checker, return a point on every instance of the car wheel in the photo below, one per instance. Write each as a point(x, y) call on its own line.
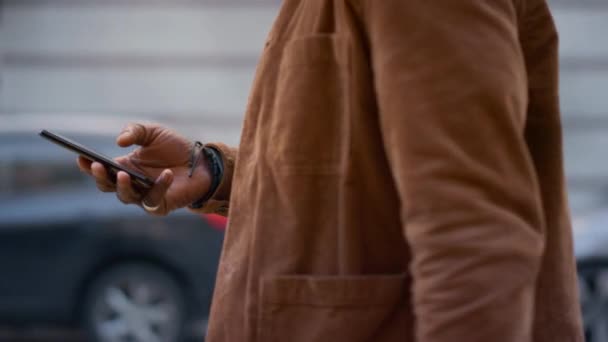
point(134, 303)
point(593, 287)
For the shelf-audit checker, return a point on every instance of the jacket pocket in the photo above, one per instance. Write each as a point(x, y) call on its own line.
point(310, 106)
point(309, 308)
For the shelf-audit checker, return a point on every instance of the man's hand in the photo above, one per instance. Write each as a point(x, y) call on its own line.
point(164, 156)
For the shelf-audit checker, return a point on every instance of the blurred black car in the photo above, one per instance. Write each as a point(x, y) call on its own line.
point(591, 247)
point(70, 255)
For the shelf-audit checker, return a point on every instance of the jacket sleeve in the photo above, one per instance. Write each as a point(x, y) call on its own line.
point(452, 100)
point(220, 200)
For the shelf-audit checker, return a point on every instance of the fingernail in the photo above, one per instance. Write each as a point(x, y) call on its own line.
point(163, 176)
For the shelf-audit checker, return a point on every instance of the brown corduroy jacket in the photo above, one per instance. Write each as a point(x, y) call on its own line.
point(399, 178)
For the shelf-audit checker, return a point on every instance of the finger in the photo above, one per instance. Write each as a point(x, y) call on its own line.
point(100, 173)
point(137, 134)
point(104, 187)
point(122, 160)
point(124, 190)
point(155, 196)
point(102, 179)
point(85, 165)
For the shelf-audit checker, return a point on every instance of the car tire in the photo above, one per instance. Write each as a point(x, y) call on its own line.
point(134, 302)
point(593, 293)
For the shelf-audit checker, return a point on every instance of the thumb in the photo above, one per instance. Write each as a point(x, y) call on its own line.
point(155, 197)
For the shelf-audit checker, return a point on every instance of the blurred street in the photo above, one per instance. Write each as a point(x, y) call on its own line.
point(8, 334)
point(40, 335)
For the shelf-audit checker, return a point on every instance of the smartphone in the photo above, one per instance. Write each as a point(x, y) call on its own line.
point(139, 181)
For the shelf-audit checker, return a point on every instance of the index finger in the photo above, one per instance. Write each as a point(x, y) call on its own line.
point(137, 134)
point(85, 165)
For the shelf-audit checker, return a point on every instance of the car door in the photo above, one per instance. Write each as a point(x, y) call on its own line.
point(38, 233)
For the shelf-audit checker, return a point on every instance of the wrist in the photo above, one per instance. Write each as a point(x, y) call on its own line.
point(200, 181)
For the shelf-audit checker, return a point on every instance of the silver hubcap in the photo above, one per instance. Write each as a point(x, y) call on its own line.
point(136, 311)
point(594, 297)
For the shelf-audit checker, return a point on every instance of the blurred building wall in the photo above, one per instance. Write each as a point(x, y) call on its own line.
point(192, 61)
point(583, 28)
point(171, 60)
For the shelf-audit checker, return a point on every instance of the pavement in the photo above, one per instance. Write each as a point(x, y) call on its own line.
point(8, 334)
point(40, 335)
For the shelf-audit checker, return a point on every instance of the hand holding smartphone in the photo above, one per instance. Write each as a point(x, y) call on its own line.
point(139, 181)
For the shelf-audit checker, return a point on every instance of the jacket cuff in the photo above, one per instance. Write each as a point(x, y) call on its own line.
point(219, 201)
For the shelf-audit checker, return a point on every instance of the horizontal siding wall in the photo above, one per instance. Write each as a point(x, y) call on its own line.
point(583, 27)
point(182, 61)
point(136, 30)
point(583, 93)
point(193, 61)
point(210, 91)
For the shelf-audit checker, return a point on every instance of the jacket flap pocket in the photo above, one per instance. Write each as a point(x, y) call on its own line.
point(334, 291)
point(354, 308)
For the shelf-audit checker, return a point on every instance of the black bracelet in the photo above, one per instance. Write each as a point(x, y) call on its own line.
point(216, 167)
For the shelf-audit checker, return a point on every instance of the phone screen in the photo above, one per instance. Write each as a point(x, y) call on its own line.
point(139, 181)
